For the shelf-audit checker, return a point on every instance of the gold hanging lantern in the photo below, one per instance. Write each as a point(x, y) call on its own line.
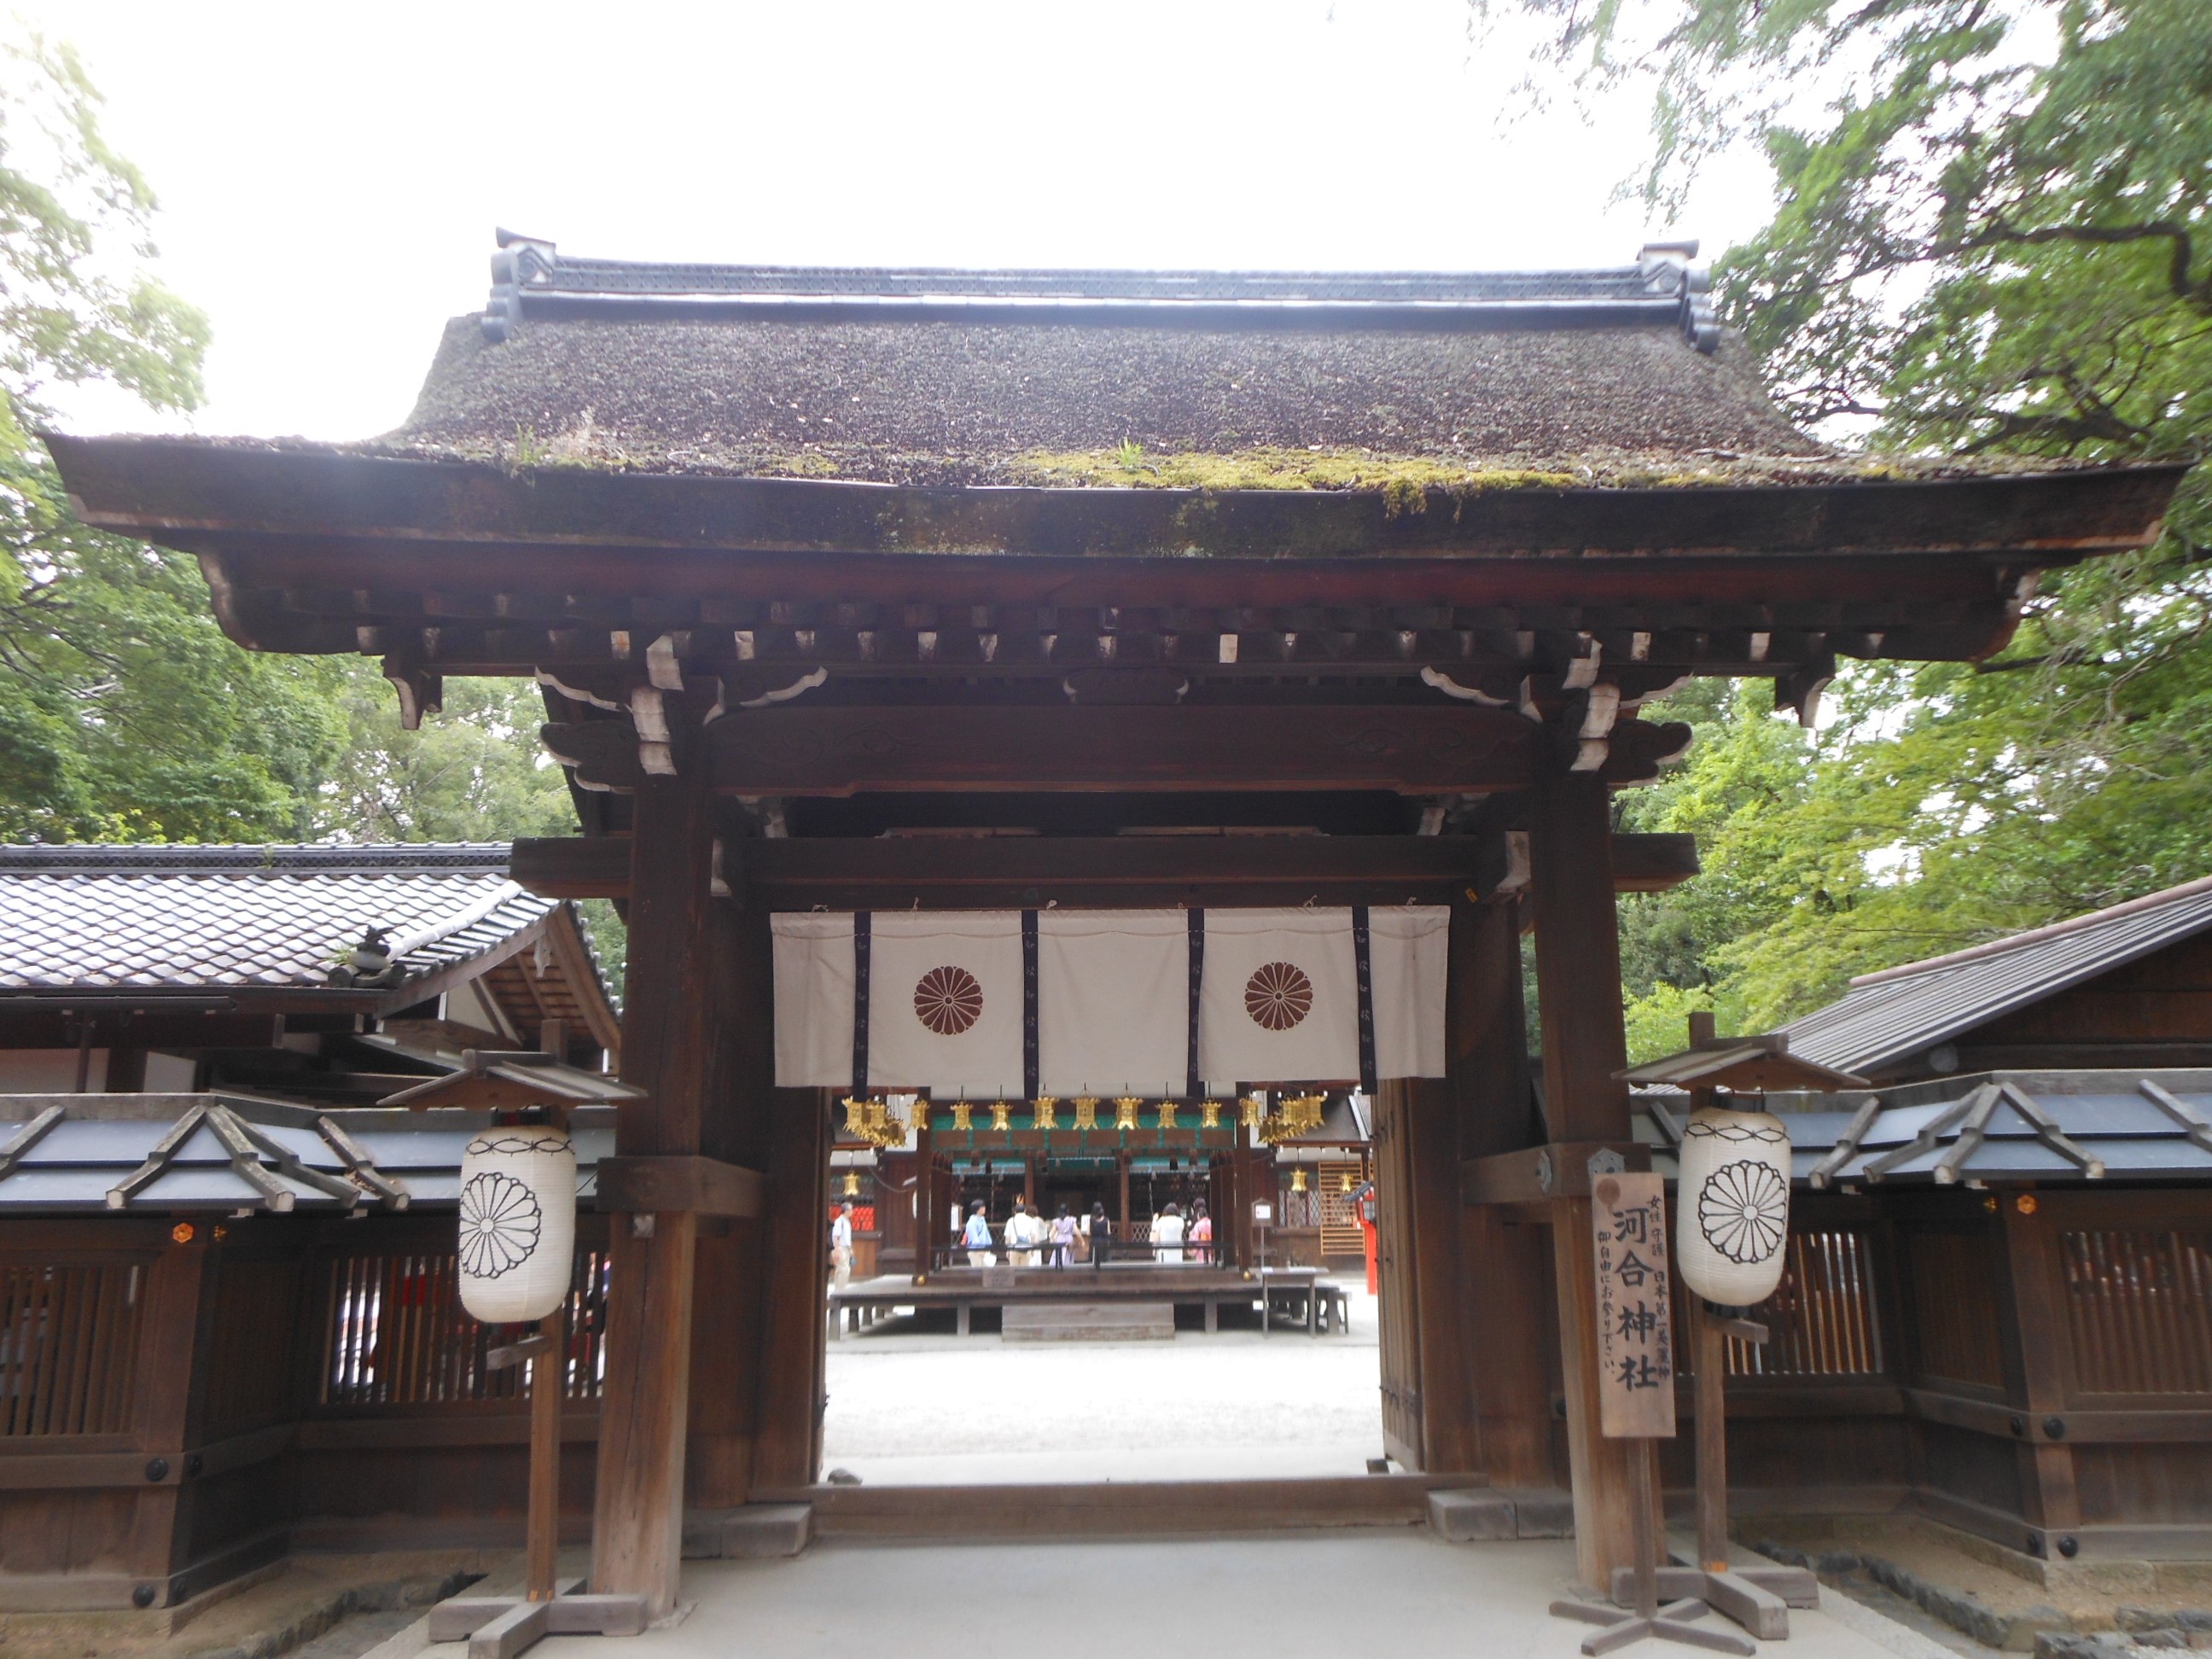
point(852, 1183)
point(1125, 1111)
point(963, 1115)
point(1209, 1114)
point(917, 1115)
point(1167, 1115)
point(856, 1119)
point(1086, 1111)
point(1002, 1116)
point(1045, 1117)
point(1256, 1111)
point(1344, 1181)
point(1298, 1179)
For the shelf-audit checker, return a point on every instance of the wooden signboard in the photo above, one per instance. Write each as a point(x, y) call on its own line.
point(1635, 1328)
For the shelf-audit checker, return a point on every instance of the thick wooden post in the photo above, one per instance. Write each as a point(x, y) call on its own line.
point(786, 1448)
point(1578, 1001)
point(1508, 1273)
point(170, 1389)
point(727, 1294)
point(645, 1407)
point(2032, 1306)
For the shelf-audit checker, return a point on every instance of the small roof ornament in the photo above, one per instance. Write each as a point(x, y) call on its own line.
point(1742, 1064)
point(516, 1079)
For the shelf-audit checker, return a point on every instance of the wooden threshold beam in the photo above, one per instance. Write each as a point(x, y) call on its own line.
point(1106, 872)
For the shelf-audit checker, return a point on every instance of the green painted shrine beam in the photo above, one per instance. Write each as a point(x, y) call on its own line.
point(835, 751)
point(1006, 872)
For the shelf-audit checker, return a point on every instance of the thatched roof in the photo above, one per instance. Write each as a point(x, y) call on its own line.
point(1026, 376)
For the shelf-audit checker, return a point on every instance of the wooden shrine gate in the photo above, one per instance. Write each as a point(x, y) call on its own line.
point(853, 690)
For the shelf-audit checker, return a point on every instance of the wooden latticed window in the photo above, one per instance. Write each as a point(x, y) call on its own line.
point(2139, 1308)
point(69, 1344)
point(1823, 1320)
point(1341, 1233)
point(395, 1334)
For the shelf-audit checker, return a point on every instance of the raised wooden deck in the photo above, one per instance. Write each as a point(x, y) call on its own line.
point(965, 1289)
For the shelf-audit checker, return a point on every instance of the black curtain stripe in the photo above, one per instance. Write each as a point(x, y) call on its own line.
point(862, 937)
point(1193, 1084)
point(1030, 1087)
point(1364, 961)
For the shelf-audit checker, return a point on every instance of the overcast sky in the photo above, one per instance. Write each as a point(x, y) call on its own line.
point(331, 174)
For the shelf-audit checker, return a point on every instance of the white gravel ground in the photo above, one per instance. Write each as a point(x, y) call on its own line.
point(909, 1407)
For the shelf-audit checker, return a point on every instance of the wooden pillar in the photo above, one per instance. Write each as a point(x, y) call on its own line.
point(637, 1523)
point(1506, 1263)
point(1578, 1001)
point(1449, 1441)
point(1121, 1217)
point(2032, 1307)
point(786, 1448)
point(727, 1294)
point(169, 1392)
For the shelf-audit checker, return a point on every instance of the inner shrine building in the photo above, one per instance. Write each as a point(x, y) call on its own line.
point(1006, 690)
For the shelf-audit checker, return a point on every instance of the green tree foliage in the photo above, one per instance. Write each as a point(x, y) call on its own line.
point(123, 711)
point(1993, 235)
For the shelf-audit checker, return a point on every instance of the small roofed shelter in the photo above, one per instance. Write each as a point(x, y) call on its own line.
point(2128, 985)
point(232, 1329)
point(1748, 1064)
point(865, 591)
point(1995, 1313)
point(513, 1080)
point(178, 968)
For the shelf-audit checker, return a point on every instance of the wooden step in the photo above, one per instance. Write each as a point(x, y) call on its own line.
point(1117, 1509)
point(1090, 1321)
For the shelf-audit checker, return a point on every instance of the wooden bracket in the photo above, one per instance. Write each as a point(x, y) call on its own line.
point(421, 690)
point(682, 1181)
point(1536, 1175)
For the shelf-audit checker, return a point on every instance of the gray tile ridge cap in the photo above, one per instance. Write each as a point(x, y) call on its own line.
point(2203, 884)
point(121, 858)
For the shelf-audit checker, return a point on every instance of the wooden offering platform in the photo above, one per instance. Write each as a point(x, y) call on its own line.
point(1168, 1284)
point(1089, 1322)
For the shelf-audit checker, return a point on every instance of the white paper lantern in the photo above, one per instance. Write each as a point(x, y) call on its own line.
point(1732, 1209)
point(517, 1223)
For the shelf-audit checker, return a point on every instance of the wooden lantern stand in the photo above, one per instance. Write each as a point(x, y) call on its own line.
point(1645, 1617)
point(1757, 1598)
point(1636, 1403)
point(500, 1626)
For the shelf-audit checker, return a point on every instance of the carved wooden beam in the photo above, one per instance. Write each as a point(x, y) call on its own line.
point(1011, 872)
point(803, 751)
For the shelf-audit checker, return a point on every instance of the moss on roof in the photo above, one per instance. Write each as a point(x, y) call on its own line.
point(999, 403)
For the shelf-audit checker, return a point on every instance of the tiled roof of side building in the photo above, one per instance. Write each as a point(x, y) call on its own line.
point(1886, 1016)
point(102, 1154)
point(173, 917)
point(2036, 1128)
point(1007, 377)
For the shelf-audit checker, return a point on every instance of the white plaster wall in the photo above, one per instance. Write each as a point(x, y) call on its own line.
point(169, 1074)
point(48, 1070)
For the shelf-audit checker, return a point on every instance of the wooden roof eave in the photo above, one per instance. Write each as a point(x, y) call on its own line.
point(230, 498)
